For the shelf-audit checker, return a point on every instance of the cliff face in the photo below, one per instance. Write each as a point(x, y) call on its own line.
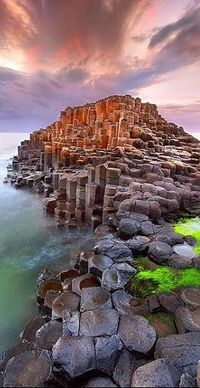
point(100, 155)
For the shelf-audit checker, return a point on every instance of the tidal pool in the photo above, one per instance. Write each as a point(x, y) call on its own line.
point(29, 242)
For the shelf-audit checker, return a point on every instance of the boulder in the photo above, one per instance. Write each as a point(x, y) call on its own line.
point(181, 349)
point(121, 301)
point(158, 373)
point(191, 296)
point(76, 355)
point(170, 301)
point(136, 333)
point(65, 301)
point(98, 263)
point(187, 320)
point(98, 322)
point(124, 369)
point(95, 297)
point(187, 380)
point(48, 334)
point(128, 228)
point(159, 251)
point(28, 369)
point(114, 278)
point(107, 353)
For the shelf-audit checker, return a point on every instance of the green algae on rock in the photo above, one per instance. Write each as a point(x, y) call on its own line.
point(163, 279)
point(190, 226)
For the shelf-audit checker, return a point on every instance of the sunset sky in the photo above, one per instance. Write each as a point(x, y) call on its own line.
point(55, 53)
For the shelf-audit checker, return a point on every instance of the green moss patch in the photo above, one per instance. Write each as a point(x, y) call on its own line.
point(190, 226)
point(163, 279)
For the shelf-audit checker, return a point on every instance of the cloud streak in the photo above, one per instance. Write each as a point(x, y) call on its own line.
point(81, 50)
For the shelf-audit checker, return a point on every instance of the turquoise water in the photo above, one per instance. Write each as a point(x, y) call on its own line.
point(29, 242)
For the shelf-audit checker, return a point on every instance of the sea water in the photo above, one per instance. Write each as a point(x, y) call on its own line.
point(29, 242)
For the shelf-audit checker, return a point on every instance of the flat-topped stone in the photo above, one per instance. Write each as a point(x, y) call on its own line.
point(95, 297)
point(75, 354)
point(65, 301)
point(136, 333)
point(99, 322)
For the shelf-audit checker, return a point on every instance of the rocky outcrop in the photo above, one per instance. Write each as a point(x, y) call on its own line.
point(118, 166)
point(104, 161)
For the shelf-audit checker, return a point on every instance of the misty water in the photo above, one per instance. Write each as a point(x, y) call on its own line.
point(29, 242)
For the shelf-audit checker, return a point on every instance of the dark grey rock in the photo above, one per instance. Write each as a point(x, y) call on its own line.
point(76, 355)
point(71, 322)
point(95, 297)
point(114, 279)
point(159, 373)
point(136, 333)
point(159, 251)
point(48, 334)
point(128, 228)
point(124, 369)
point(147, 228)
point(98, 263)
point(99, 322)
point(170, 238)
point(138, 244)
point(121, 301)
point(107, 353)
point(28, 369)
point(181, 349)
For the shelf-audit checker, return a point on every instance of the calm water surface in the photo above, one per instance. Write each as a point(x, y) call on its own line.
point(29, 242)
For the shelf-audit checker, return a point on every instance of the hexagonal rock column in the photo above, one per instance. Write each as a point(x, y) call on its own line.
point(136, 333)
point(75, 354)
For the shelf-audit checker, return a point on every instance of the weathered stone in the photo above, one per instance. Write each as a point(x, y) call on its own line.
point(124, 369)
point(48, 334)
point(84, 281)
point(159, 373)
point(187, 320)
point(114, 278)
point(66, 301)
point(99, 322)
point(181, 349)
point(98, 263)
point(159, 251)
point(28, 369)
point(107, 353)
point(95, 297)
point(76, 355)
point(136, 333)
point(128, 228)
point(121, 301)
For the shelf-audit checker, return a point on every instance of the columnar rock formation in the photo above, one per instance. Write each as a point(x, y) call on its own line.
point(98, 155)
point(118, 163)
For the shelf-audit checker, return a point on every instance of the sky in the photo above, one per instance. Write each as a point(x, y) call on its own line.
point(58, 53)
